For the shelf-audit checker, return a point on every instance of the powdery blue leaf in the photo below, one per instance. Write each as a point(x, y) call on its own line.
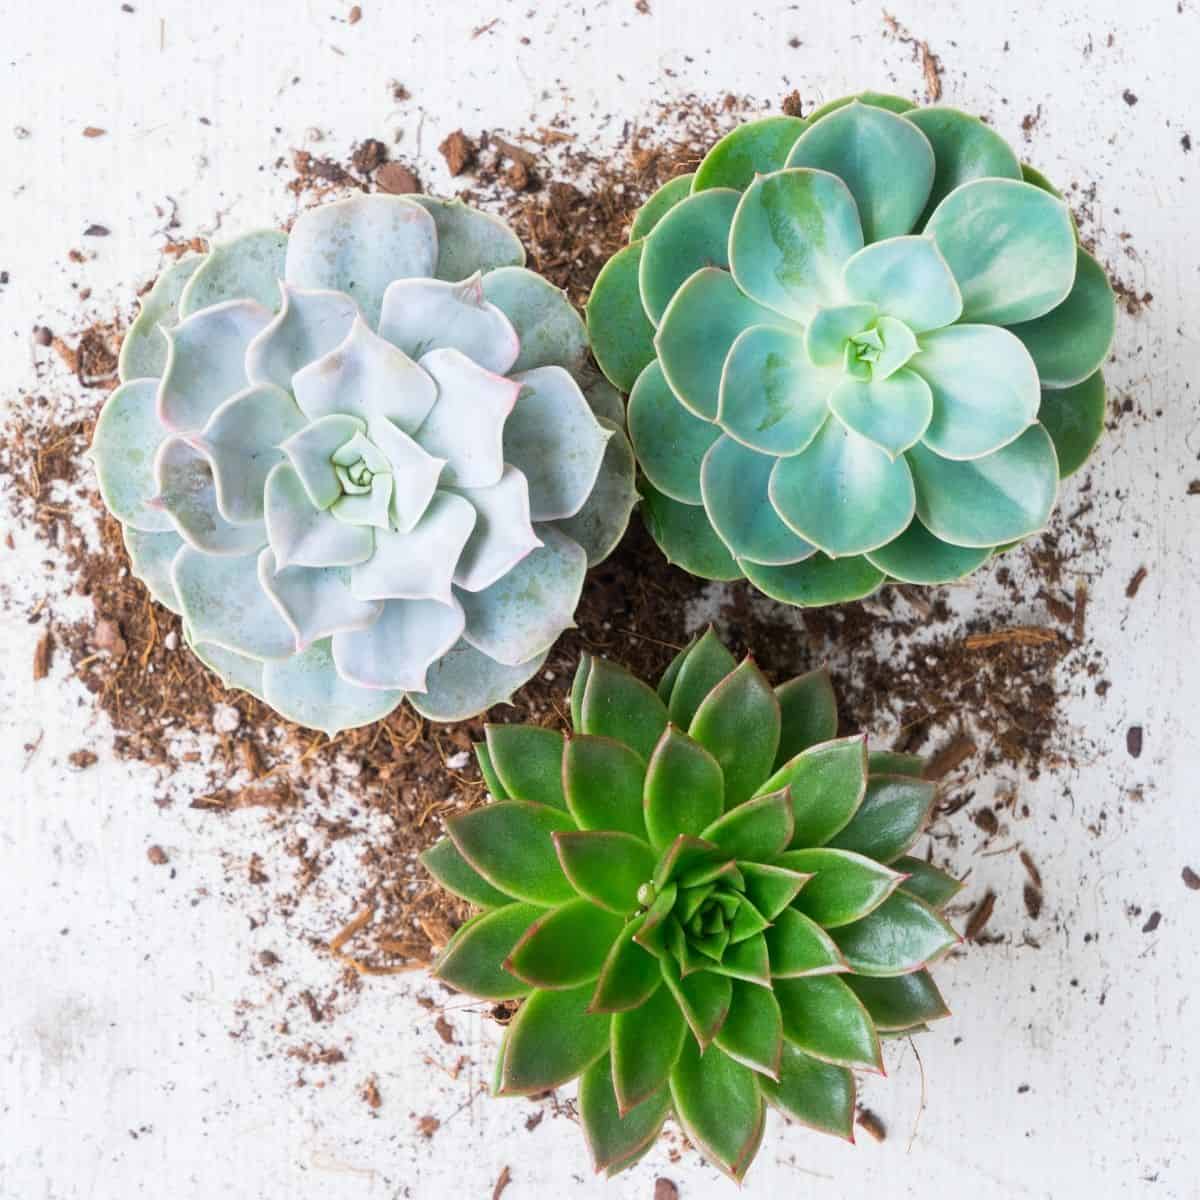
point(415, 474)
point(916, 556)
point(697, 331)
point(365, 376)
point(418, 565)
point(791, 236)
point(306, 688)
point(601, 523)
point(755, 148)
point(465, 682)
point(891, 413)
point(241, 441)
point(1074, 419)
point(420, 315)
point(143, 348)
point(469, 240)
point(360, 245)
point(896, 104)
point(223, 603)
point(603, 399)
point(825, 336)
point(734, 481)
point(397, 650)
point(234, 670)
point(554, 439)
point(522, 613)
point(549, 330)
point(670, 441)
point(206, 361)
point(1011, 247)
point(187, 492)
point(985, 389)
point(620, 332)
point(843, 494)
point(304, 536)
point(885, 161)
point(307, 326)
point(1070, 342)
point(311, 453)
point(503, 533)
point(371, 506)
point(987, 501)
point(247, 268)
point(694, 234)
point(466, 425)
point(964, 148)
point(659, 204)
point(772, 397)
point(907, 278)
point(151, 556)
point(815, 581)
point(899, 344)
point(124, 445)
point(316, 602)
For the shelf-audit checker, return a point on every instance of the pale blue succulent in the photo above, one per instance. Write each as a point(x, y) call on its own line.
point(859, 346)
point(365, 460)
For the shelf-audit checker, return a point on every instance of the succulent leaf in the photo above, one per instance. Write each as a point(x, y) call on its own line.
point(684, 789)
point(125, 443)
point(318, 603)
point(617, 705)
point(815, 1093)
point(605, 866)
point(916, 556)
point(756, 148)
point(901, 935)
point(902, 1002)
point(894, 811)
point(757, 830)
point(669, 440)
point(600, 524)
point(630, 975)
point(646, 1042)
point(892, 414)
point(465, 682)
point(553, 1038)
point(602, 781)
point(615, 1137)
point(824, 1018)
point(444, 862)
point(1074, 419)
point(565, 946)
point(798, 946)
point(150, 556)
point(528, 762)
point(686, 536)
point(844, 887)
point(621, 334)
point(808, 714)
point(473, 960)
point(753, 1031)
point(907, 278)
point(144, 349)
point(469, 240)
point(828, 782)
point(247, 268)
point(696, 671)
point(549, 330)
point(308, 325)
point(659, 204)
point(817, 580)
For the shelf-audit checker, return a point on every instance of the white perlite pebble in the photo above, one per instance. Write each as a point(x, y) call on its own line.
point(456, 762)
point(171, 641)
point(226, 718)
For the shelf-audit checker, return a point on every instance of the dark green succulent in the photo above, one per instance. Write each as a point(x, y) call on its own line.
point(704, 901)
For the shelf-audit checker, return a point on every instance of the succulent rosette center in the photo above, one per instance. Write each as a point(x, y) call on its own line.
point(360, 462)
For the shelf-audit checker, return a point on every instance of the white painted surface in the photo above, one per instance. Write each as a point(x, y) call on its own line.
point(1067, 1071)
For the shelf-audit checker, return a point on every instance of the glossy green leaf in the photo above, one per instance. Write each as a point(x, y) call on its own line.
point(815, 1093)
point(739, 722)
point(685, 856)
point(734, 481)
point(720, 1107)
point(617, 705)
point(510, 844)
point(791, 236)
point(1074, 419)
point(602, 781)
point(529, 762)
point(845, 886)
point(901, 935)
point(757, 830)
point(770, 888)
point(825, 336)
point(703, 997)
point(987, 501)
point(488, 771)
point(893, 762)
point(890, 819)
point(694, 234)
point(630, 974)
point(659, 204)
point(753, 1031)
point(696, 333)
point(666, 682)
point(772, 397)
point(566, 946)
point(808, 709)
point(798, 946)
point(817, 580)
point(606, 867)
point(827, 782)
point(670, 441)
point(824, 1018)
point(614, 1137)
point(964, 148)
point(1011, 247)
point(902, 1002)
point(886, 162)
point(552, 1039)
point(578, 687)
point(646, 1042)
point(891, 413)
point(927, 882)
point(685, 535)
point(443, 861)
point(916, 556)
point(755, 148)
point(620, 332)
point(685, 789)
point(701, 667)
point(748, 960)
point(905, 277)
point(843, 494)
point(473, 960)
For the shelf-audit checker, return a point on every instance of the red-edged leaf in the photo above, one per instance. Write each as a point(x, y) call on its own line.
point(815, 1093)
point(565, 946)
point(753, 1031)
point(607, 868)
point(552, 1039)
point(700, 668)
point(617, 705)
point(613, 1137)
point(684, 791)
point(757, 830)
point(902, 1002)
point(703, 997)
point(443, 861)
point(890, 818)
point(603, 780)
point(473, 960)
point(528, 761)
point(630, 974)
point(824, 1018)
point(797, 946)
point(903, 934)
point(844, 886)
point(828, 783)
point(645, 1044)
point(809, 713)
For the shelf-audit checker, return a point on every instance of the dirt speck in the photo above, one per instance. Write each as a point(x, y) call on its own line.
point(157, 856)
point(459, 152)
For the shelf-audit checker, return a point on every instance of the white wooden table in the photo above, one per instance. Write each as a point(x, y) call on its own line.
point(137, 1056)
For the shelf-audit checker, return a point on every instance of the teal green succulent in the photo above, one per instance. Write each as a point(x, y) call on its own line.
point(365, 460)
point(860, 346)
point(704, 900)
